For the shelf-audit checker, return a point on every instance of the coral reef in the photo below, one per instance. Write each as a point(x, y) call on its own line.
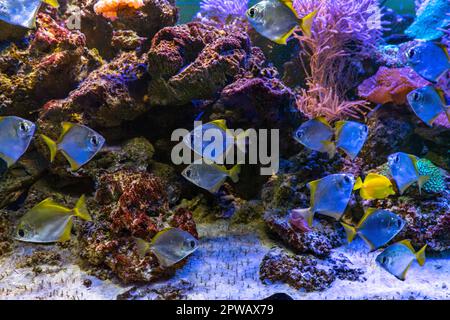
point(431, 20)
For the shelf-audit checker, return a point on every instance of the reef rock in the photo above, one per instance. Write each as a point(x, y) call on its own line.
point(391, 85)
point(432, 18)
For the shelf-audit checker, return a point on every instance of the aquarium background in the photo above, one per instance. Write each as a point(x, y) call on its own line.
point(135, 71)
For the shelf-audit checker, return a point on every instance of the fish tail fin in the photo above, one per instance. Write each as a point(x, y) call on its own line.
point(142, 246)
point(53, 3)
point(81, 209)
point(420, 255)
point(306, 23)
point(234, 173)
point(330, 148)
point(52, 146)
point(350, 231)
point(422, 180)
point(358, 184)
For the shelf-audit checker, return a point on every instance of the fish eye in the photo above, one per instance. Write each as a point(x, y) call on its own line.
point(399, 223)
point(416, 96)
point(299, 133)
point(192, 244)
point(347, 179)
point(94, 140)
point(411, 53)
point(189, 173)
point(396, 159)
point(24, 127)
point(251, 12)
point(21, 233)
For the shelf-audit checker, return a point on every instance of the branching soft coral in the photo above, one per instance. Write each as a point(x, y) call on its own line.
point(344, 33)
point(109, 8)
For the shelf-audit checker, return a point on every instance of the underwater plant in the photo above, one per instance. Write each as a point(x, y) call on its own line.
point(344, 34)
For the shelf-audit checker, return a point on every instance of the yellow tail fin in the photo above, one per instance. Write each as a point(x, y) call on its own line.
point(234, 173)
point(53, 3)
point(306, 23)
point(350, 231)
point(52, 146)
point(81, 210)
point(142, 246)
point(420, 255)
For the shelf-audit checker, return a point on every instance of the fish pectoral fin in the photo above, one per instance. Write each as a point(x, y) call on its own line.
point(67, 231)
point(350, 231)
point(52, 146)
point(421, 181)
point(74, 166)
point(306, 23)
point(420, 255)
point(81, 209)
point(330, 148)
point(283, 39)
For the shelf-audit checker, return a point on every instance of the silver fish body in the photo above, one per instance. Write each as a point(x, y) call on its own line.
point(209, 176)
point(15, 137)
point(429, 60)
point(427, 103)
point(314, 134)
point(20, 12)
point(351, 136)
point(403, 170)
point(173, 245)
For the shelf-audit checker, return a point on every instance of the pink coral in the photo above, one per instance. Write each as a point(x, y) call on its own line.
point(343, 34)
point(109, 8)
point(391, 85)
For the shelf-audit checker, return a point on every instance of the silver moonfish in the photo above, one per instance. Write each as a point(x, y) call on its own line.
point(404, 171)
point(170, 246)
point(15, 137)
point(350, 137)
point(397, 258)
point(210, 176)
point(329, 196)
point(198, 140)
point(78, 143)
point(277, 20)
point(50, 222)
point(427, 103)
point(316, 134)
point(377, 227)
point(429, 60)
point(22, 12)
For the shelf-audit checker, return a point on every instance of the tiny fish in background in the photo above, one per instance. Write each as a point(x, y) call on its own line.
point(170, 246)
point(375, 186)
point(397, 258)
point(377, 227)
point(429, 60)
point(214, 128)
point(316, 134)
point(404, 171)
point(277, 20)
point(50, 222)
point(350, 137)
point(15, 137)
point(329, 196)
point(78, 143)
point(428, 103)
point(210, 176)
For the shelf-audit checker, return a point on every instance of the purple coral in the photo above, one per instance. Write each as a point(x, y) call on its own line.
point(223, 8)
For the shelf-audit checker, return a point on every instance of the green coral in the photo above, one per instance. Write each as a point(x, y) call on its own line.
point(436, 183)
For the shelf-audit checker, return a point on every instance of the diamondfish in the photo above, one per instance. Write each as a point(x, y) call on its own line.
point(22, 12)
point(15, 137)
point(375, 186)
point(202, 140)
point(277, 20)
point(404, 171)
point(170, 246)
point(50, 222)
point(78, 143)
point(429, 60)
point(428, 103)
point(210, 176)
point(329, 196)
point(316, 134)
point(350, 137)
point(397, 258)
point(377, 227)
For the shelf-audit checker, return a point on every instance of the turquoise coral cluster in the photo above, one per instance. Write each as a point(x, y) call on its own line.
point(436, 183)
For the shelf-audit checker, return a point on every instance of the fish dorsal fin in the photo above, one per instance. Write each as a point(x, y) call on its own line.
point(408, 244)
point(312, 188)
point(367, 213)
point(284, 38)
point(159, 234)
point(290, 5)
point(45, 203)
point(221, 123)
point(323, 120)
point(66, 126)
point(444, 47)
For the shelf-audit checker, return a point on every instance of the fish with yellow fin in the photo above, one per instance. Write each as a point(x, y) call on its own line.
point(78, 143)
point(377, 227)
point(210, 176)
point(397, 258)
point(316, 134)
point(430, 60)
point(404, 171)
point(375, 186)
point(170, 246)
point(50, 222)
point(277, 20)
point(22, 12)
point(350, 137)
point(329, 196)
point(428, 103)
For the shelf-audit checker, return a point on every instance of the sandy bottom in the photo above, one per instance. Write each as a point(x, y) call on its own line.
point(225, 267)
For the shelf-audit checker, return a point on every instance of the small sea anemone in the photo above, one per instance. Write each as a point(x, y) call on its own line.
point(109, 8)
point(436, 183)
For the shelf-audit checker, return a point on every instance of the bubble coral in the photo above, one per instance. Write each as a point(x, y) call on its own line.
point(109, 8)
